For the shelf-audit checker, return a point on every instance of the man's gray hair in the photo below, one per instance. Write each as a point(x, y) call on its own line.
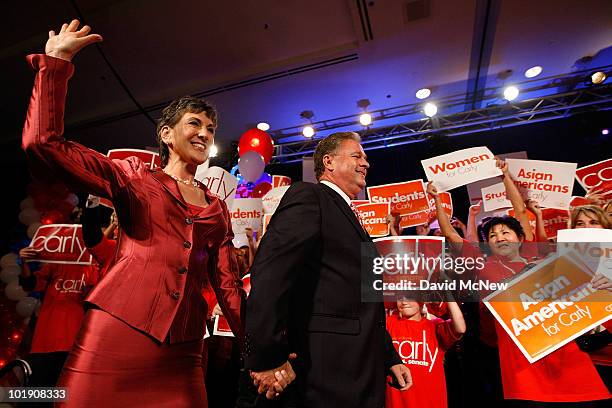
point(329, 145)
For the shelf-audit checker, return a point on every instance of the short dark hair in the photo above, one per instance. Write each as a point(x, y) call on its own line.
point(174, 112)
point(506, 220)
point(328, 146)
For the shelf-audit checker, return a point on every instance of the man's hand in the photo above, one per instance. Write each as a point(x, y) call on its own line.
point(273, 382)
point(402, 375)
point(69, 41)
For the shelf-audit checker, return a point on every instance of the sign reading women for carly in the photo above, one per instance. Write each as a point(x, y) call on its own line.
point(61, 244)
point(272, 199)
point(246, 213)
point(374, 218)
point(460, 168)
point(408, 197)
point(549, 306)
point(549, 183)
point(494, 197)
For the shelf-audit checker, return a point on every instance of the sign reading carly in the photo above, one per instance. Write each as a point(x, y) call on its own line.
point(549, 306)
point(460, 168)
point(220, 183)
point(61, 244)
point(549, 183)
point(374, 218)
point(596, 177)
point(406, 198)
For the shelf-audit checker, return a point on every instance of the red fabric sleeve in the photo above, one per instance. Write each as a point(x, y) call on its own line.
point(43, 276)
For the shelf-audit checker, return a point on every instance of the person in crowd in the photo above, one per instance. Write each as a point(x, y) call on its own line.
point(566, 375)
point(421, 344)
point(306, 293)
point(589, 216)
point(101, 242)
point(145, 326)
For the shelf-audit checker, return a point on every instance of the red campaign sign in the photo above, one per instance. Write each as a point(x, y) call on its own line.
point(360, 202)
point(374, 218)
point(554, 220)
point(61, 244)
point(427, 216)
point(406, 198)
point(596, 176)
point(578, 201)
point(279, 181)
point(221, 326)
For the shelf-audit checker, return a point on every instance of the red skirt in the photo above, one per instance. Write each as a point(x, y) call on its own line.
point(114, 365)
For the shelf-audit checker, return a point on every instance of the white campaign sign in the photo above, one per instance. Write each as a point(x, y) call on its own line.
point(246, 213)
point(272, 199)
point(460, 168)
point(220, 183)
point(494, 197)
point(549, 183)
point(593, 246)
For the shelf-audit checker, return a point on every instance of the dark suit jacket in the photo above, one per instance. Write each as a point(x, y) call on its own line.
point(306, 298)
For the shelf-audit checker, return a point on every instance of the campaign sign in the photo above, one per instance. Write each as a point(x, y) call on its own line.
point(475, 189)
point(577, 201)
point(220, 183)
point(428, 216)
point(280, 181)
point(374, 218)
point(554, 220)
point(266, 222)
point(549, 306)
point(549, 183)
point(591, 246)
point(221, 326)
point(246, 213)
point(406, 198)
point(415, 219)
point(460, 168)
point(359, 202)
point(494, 197)
point(272, 199)
point(596, 177)
point(60, 244)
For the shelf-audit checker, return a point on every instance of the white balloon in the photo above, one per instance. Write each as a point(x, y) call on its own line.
point(251, 166)
point(72, 199)
point(32, 228)
point(10, 273)
point(29, 215)
point(8, 259)
point(14, 292)
point(27, 202)
point(26, 306)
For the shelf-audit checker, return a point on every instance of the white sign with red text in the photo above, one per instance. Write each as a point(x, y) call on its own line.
point(280, 181)
point(272, 199)
point(475, 189)
point(60, 244)
point(494, 197)
point(596, 177)
point(460, 168)
point(220, 183)
point(246, 213)
point(549, 183)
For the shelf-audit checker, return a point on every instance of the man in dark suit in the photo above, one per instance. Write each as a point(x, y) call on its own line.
point(306, 293)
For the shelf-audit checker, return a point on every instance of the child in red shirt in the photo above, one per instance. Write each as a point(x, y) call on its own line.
point(421, 344)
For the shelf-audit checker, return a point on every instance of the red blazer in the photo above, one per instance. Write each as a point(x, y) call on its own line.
point(164, 254)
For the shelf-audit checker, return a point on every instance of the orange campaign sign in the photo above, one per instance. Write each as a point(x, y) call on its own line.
point(359, 202)
point(374, 218)
point(61, 244)
point(406, 198)
point(596, 177)
point(427, 216)
point(280, 181)
point(549, 306)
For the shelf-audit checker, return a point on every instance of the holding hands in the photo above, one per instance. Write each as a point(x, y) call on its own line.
point(273, 382)
point(69, 41)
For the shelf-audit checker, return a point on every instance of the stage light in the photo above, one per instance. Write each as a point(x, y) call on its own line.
point(533, 72)
point(308, 131)
point(430, 109)
point(263, 126)
point(423, 93)
point(605, 131)
point(365, 119)
point(213, 151)
point(511, 93)
point(598, 77)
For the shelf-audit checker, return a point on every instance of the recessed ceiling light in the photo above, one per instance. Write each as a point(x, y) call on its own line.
point(263, 126)
point(423, 93)
point(533, 72)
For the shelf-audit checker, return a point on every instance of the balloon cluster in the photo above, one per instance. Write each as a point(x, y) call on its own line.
point(255, 149)
point(46, 204)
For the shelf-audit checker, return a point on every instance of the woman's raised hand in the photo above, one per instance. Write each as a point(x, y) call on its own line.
point(69, 41)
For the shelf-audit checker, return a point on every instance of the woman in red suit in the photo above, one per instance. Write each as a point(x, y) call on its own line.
point(141, 342)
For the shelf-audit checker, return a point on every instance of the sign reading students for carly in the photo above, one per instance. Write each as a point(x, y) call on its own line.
point(549, 306)
point(460, 168)
point(246, 213)
point(374, 218)
point(549, 183)
point(61, 244)
point(596, 177)
point(406, 198)
point(494, 197)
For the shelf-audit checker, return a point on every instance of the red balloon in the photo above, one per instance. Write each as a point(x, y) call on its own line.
point(261, 189)
point(52, 217)
point(258, 141)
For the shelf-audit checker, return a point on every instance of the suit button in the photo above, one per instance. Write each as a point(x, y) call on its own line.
point(187, 244)
point(188, 221)
point(176, 294)
point(182, 270)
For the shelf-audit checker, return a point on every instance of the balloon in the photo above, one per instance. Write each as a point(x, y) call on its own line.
point(32, 228)
point(72, 199)
point(14, 292)
point(255, 140)
point(251, 165)
point(28, 215)
point(8, 260)
point(261, 189)
point(26, 306)
point(10, 273)
point(27, 202)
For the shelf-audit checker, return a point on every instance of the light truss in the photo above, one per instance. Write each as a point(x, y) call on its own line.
point(534, 110)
